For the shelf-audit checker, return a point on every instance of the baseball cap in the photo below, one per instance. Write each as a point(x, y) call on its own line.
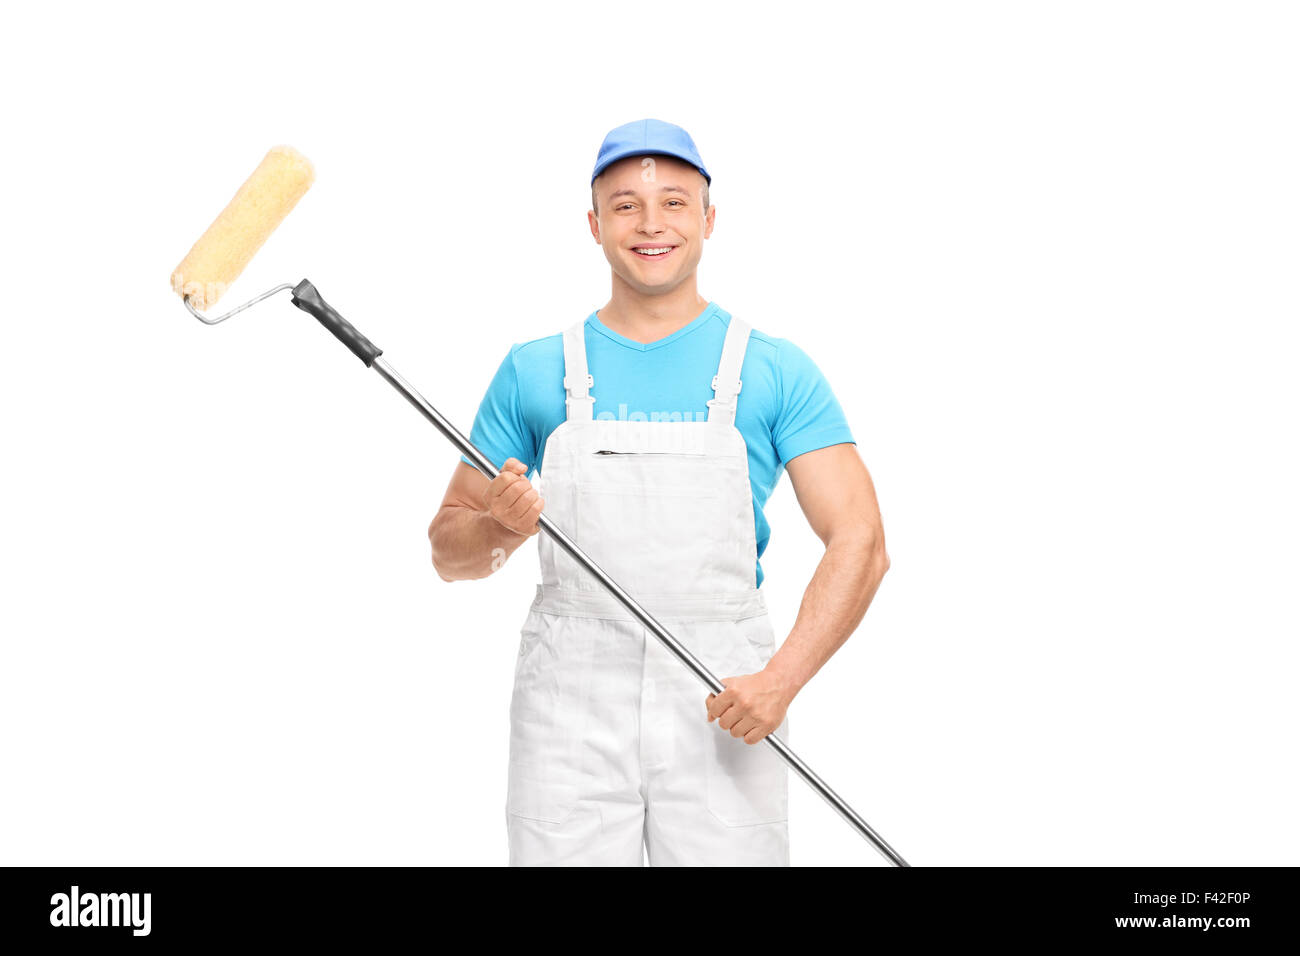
point(648, 136)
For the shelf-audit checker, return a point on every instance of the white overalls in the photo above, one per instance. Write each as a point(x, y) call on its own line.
point(609, 741)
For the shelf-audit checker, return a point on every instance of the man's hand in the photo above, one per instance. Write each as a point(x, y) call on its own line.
point(751, 706)
point(512, 500)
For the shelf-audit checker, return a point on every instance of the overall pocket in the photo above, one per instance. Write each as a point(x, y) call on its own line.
point(530, 637)
point(544, 732)
point(646, 535)
point(747, 783)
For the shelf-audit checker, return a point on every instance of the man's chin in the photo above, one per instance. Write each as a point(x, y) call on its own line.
point(656, 286)
point(653, 284)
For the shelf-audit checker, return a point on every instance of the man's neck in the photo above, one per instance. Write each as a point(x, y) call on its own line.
point(649, 318)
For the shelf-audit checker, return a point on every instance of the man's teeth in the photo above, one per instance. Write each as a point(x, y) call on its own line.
point(654, 252)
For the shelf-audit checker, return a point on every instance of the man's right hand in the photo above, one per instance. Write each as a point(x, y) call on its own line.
point(512, 500)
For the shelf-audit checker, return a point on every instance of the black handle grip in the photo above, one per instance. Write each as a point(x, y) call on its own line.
point(308, 299)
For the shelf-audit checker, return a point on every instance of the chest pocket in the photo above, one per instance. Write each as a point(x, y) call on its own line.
point(663, 519)
point(655, 537)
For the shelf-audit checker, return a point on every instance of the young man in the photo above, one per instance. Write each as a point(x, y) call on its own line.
point(657, 464)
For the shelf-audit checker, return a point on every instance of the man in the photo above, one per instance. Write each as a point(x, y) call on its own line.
point(658, 465)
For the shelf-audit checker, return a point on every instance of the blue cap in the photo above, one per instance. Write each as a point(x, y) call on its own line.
point(648, 136)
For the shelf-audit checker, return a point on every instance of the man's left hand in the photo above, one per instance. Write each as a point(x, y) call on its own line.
point(751, 706)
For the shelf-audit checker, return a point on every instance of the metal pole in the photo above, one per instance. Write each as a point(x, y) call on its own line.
point(483, 464)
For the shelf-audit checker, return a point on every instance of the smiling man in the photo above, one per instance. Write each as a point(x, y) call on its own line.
point(658, 464)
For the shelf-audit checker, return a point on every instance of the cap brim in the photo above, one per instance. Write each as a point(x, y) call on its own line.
point(624, 154)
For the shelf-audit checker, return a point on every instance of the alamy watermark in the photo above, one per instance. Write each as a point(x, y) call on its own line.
point(101, 909)
point(639, 416)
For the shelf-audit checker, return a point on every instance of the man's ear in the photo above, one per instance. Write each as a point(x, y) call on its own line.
point(594, 223)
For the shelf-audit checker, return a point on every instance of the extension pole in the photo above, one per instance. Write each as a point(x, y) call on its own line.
point(308, 299)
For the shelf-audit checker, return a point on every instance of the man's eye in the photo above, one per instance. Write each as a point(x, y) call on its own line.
point(678, 201)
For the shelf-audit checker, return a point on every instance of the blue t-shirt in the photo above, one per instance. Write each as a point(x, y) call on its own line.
point(785, 408)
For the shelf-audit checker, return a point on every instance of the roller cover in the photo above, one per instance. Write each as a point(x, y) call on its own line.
point(234, 237)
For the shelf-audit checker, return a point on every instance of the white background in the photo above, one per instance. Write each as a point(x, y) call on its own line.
point(1046, 255)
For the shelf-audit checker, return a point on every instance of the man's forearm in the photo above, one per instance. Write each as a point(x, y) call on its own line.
point(469, 544)
point(833, 605)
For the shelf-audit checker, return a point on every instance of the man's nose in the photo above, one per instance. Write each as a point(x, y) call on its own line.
point(650, 222)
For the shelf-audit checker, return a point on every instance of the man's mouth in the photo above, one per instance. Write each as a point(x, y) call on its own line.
point(653, 252)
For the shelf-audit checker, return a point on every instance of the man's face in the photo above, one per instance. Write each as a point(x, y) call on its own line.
point(646, 204)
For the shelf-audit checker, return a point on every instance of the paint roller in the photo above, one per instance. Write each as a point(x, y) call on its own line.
point(216, 261)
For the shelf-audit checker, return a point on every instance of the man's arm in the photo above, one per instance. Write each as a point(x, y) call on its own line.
point(838, 498)
point(481, 523)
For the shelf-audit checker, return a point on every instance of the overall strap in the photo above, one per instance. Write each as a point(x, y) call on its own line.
point(726, 384)
point(578, 403)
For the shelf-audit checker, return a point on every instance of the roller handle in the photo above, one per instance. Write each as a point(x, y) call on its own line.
point(308, 299)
